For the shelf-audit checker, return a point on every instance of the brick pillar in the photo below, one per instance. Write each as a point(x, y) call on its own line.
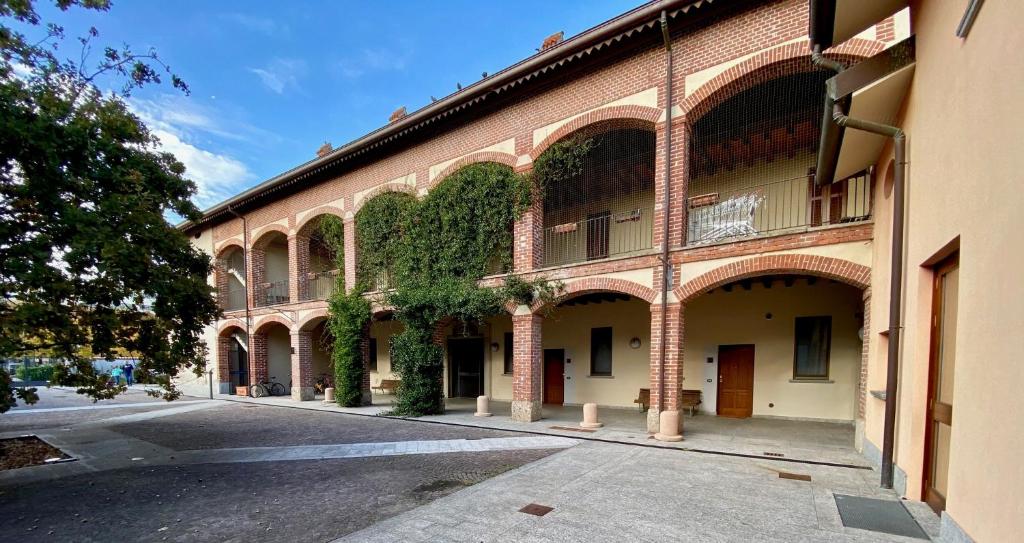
point(862, 382)
point(223, 355)
point(350, 254)
point(302, 365)
point(257, 276)
point(298, 267)
point(526, 366)
point(257, 359)
point(220, 271)
point(528, 236)
point(679, 175)
point(673, 313)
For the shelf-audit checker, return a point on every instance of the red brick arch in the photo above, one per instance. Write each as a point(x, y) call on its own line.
point(599, 284)
point(381, 189)
point(610, 117)
point(474, 158)
point(224, 327)
point(316, 213)
point(263, 234)
point(851, 273)
point(791, 58)
point(267, 320)
point(227, 246)
point(313, 319)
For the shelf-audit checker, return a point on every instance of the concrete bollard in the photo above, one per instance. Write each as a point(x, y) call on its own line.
point(482, 407)
point(328, 395)
point(668, 423)
point(590, 416)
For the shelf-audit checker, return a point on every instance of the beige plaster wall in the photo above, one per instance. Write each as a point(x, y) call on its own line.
point(859, 252)
point(279, 355)
point(498, 383)
point(738, 317)
point(569, 328)
point(382, 332)
point(964, 137)
point(277, 263)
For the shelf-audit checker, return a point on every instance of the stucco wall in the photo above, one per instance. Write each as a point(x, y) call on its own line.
point(382, 332)
point(279, 355)
point(739, 317)
point(964, 136)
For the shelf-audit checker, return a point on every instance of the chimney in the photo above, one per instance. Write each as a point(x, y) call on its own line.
point(324, 150)
point(552, 41)
point(398, 114)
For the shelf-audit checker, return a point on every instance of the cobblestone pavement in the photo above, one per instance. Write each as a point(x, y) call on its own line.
point(141, 477)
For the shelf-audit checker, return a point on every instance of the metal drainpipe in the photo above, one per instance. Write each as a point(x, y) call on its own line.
point(821, 60)
point(895, 279)
point(248, 306)
point(666, 269)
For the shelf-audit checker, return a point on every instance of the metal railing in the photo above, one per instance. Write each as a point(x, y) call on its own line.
point(320, 285)
point(233, 299)
point(273, 293)
point(776, 208)
point(599, 237)
point(382, 281)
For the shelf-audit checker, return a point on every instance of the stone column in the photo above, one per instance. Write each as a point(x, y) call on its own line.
point(673, 371)
point(350, 254)
point(302, 365)
point(526, 365)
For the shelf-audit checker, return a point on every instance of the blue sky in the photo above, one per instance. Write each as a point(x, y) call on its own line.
point(271, 81)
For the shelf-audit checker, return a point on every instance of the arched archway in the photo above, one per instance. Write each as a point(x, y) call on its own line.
point(232, 358)
point(270, 267)
point(378, 231)
point(271, 351)
point(230, 272)
point(598, 191)
point(851, 273)
point(319, 247)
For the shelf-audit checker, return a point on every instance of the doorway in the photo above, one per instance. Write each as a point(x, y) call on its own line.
point(941, 366)
point(554, 376)
point(735, 381)
point(465, 367)
point(238, 366)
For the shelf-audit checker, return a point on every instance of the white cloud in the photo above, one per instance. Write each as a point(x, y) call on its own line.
point(280, 74)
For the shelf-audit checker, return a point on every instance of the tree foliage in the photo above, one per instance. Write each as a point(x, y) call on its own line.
point(88, 261)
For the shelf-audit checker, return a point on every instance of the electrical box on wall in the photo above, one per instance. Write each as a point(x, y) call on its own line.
point(709, 385)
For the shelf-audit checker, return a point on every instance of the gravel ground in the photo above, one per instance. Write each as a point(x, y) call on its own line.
point(248, 425)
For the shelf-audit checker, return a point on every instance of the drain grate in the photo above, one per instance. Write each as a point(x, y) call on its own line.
point(776, 455)
point(794, 476)
point(886, 516)
point(536, 509)
point(571, 429)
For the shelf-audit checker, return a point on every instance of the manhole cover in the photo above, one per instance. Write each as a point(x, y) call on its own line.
point(536, 509)
point(886, 516)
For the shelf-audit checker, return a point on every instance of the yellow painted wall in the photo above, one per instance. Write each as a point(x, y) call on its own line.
point(279, 355)
point(277, 263)
point(569, 328)
point(738, 317)
point(623, 237)
point(383, 331)
point(964, 137)
point(498, 384)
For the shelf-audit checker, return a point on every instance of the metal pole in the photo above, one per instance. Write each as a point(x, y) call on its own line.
point(209, 374)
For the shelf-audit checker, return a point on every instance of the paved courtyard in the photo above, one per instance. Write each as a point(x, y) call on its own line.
point(203, 470)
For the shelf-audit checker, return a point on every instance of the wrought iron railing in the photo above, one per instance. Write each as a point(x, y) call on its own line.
point(272, 293)
point(320, 285)
point(233, 299)
point(598, 237)
point(776, 208)
point(383, 281)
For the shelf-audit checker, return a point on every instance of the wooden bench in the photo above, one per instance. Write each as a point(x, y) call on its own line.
point(644, 399)
point(387, 384)
point(691, 400)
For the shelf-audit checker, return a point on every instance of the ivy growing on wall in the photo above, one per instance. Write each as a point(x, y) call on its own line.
point(380, 240)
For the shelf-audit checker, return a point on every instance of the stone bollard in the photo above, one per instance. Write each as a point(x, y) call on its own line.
point(590, 416)
point(481, 407)
point(668, 424)
point(328, 395)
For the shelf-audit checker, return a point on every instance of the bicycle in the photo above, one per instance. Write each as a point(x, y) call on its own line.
point(267, 388)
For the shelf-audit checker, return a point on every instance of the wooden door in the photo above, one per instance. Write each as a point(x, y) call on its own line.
point(942, 362)
point(598, 231)
point(736, 381)
point(554, 376)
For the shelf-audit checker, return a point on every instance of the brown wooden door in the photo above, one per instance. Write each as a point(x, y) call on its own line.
point(554, 376)
point(736, 380)
point(942, 362)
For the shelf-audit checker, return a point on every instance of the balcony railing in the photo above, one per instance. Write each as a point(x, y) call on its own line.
point(320, 285)
point(599, 237)
point(776, 208)
point(234, 299)
point(273, 293)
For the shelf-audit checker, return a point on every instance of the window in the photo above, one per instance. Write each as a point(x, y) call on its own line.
point(373, 354)
point(601, 351)
point(813, 343)
point(508, 353)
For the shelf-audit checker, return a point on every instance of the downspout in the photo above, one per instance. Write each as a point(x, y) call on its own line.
point(822, 61)
point(666, 268)
point(248, 306)
point(895, 278)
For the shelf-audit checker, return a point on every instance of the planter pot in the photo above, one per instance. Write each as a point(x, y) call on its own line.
point(241, 391)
